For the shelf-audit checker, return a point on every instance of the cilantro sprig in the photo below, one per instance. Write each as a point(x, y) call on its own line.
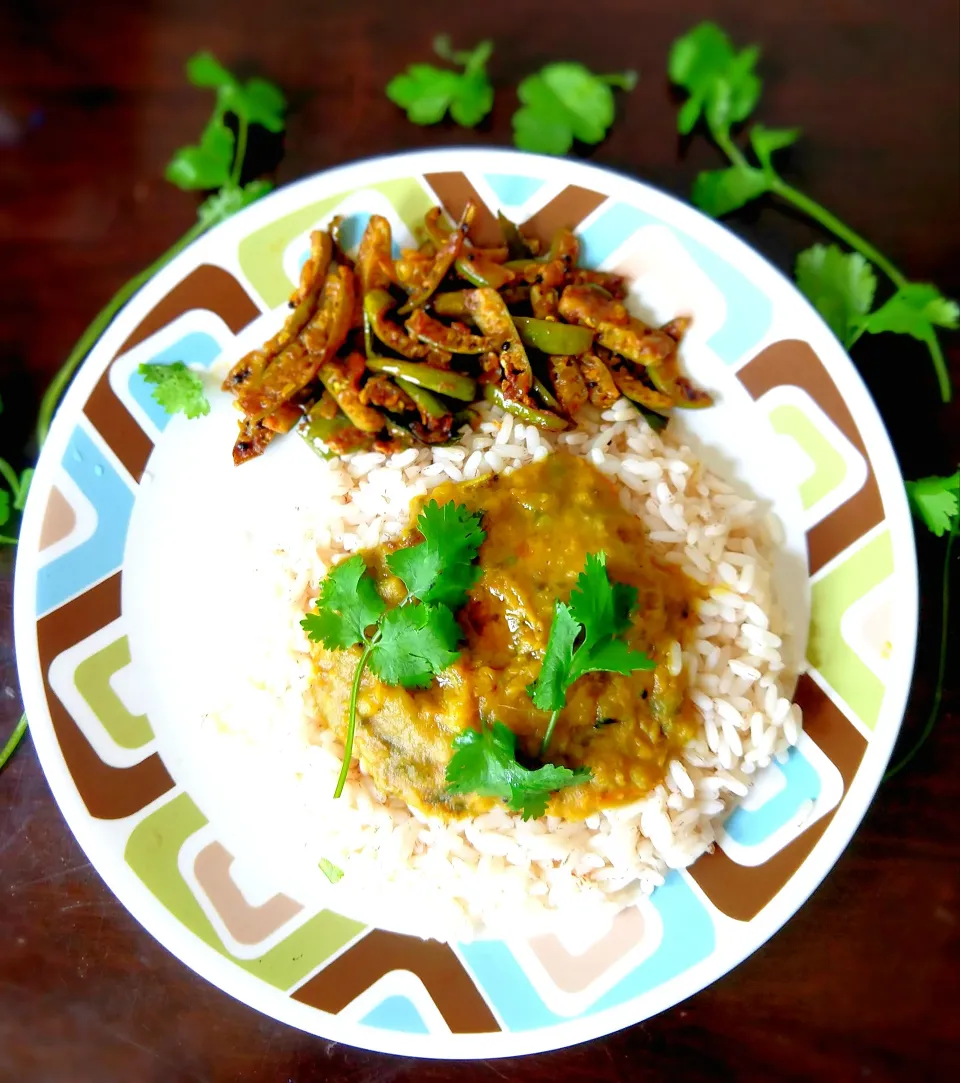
point(413, 642)
point(585, 638)
point(177, 389)
point(563, 102)
point(936, 501)
point(485, 763)
point(427, 92)
point(723, 89)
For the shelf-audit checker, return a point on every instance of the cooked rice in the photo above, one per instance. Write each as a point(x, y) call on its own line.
point(495, 872)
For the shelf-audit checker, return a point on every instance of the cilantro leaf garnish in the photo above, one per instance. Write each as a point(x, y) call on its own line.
point(915, 309)
point(841, 286)
point(485, 763)
point(599, 611)
point(413, 642)
point(427, 93)
point(563, 102)
point(178, 389)
point(441, 568)
point(934, 500)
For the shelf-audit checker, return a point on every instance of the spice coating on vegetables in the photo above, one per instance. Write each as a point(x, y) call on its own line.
point(381, 353)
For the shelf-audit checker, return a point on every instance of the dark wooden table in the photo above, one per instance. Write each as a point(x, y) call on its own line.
point(864, 983)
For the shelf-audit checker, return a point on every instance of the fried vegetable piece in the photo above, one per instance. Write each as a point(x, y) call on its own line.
point(448, 251)
point(380, 390)
point(375, 269)
point(480, 266)
point(614, 285)
point(284, 418)
point(601, 388)
point(304, 300)
point(553, 337)
point(677, 328)
point(376, 305)
point(517, 246)
point(427, 404)
point(251, 442)
point(455, 338)
point(492, 316)
point(298, 364)
point(639, 343)
point(529, 415)
point(453, 384)
point(630, 384)
point(589, 307)
point(544, 301)
point(568, 383)
point(342, 379)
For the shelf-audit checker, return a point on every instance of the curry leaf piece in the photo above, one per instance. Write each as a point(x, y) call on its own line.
point(177, 389)
point(602, 607)
point(913, 310)
point(563, 102)
point(721, 82)
point(221, 205)
point(206, 165)
point(841, 286)
point(427, 92)
point(485, 763)
point(935, 501)
point(767, 141)
point(442, 567)
point(416, 642)
point(347, 605)
point(719, 191)
point(549, 690)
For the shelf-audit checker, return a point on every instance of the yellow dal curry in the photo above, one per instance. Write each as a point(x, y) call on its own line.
point(541, 521)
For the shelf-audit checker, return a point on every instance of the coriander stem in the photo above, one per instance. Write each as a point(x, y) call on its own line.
point(830, 222)
point(14, 739)
point(939, 365)
point(10, 476)
point(549, 733)
point(942, 668)
point(352, 719)
point(101, 321)
point(5, 539)
point(730, 149)
point(241, 153)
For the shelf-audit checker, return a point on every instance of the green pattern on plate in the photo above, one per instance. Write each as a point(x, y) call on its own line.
point(92, 678)
point(830, 467)
point(153, 851)
point(261, 253)
point(830, 598)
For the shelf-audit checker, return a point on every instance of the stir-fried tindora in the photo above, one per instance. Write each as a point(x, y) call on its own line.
point(541, 522)
point(383, 352)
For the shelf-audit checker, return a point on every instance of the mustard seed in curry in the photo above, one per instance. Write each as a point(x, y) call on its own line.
point(541, 521)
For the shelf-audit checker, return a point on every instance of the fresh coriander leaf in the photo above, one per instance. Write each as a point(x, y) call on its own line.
point(935, 501)
point(563, 102)
point(264, 104)
point(204, 70)
point(4, 507)
point(26, 480)
point(549, 690)
point(332, 872)
point(602, 607)
point(767, 141)
point(841, 286)
point(347, 605)
point(721, 82)
point(230, 199)
point(206, 165)
point(913, 310)
point(416, 642)
point(427, 92)
point(441, 568)
point(719, 191)
point(178, 389)
point(485, 763)
point(608, 656)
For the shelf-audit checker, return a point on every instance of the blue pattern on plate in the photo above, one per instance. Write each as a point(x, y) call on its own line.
point(396, 1013)
point(749, 309)
point(688, 937)
point(102, 553)
point(194, 348)
point(513, 189)
point(750, 827)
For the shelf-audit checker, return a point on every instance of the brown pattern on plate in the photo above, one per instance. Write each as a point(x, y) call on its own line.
point(742, 891)
point(246, 924)
point(110, 793)
point(206, 287)
point(59, 519)
point(572, 973)
point(794, 362)
point(566, 210)
point(378, 953)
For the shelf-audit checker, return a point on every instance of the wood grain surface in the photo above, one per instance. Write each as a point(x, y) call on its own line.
point(864, 983)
